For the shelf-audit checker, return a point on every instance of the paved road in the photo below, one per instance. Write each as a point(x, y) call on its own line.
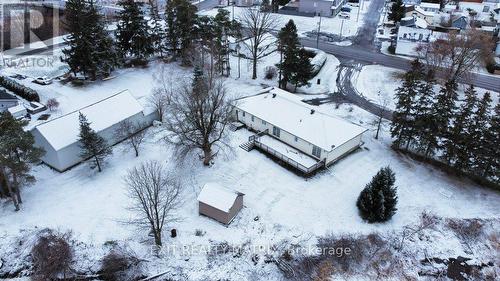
point(366, 34)
point(362, 55)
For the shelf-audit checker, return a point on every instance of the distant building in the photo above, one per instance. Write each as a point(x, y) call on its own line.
point(219, 203)
point(59, 136)
point(7, 100)
point(324, 8)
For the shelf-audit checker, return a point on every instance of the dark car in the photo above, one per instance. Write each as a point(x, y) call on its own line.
point(345, 9)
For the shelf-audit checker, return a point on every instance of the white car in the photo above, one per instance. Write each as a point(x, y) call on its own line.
point(344, 15)
point(44, 80)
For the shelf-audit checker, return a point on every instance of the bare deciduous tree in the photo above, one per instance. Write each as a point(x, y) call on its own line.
point(133, 134)
point(166, 81)
point(52, 104)
point(258, 24)
point(52, 255)
point(456, 54)
point(197, 119)
point(155, 194)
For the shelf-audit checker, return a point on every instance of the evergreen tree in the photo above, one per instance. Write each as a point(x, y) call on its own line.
point(181, 19)
point(377, 202)
point(289, 46)
point(489, 163)
point(424, 119)
point(92, 144)
point(403, 119)
point(397, 11)
point(133, 33)
point(457, 146)
point(303, 71)
point(90, 50)
point(444, 110)
point(17, 155)
point(157, 34)
point(479, 134)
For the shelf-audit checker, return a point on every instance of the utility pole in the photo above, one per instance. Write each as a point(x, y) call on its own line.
point(341, 27)
point(359, 9)
point(319, 30)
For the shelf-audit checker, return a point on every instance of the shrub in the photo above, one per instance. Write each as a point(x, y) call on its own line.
point(270, 72)
point(18, 89)
point(377, 202)
point(490, 67)
point(52, 104)
point(199, 232)
point(118, 265)
point(52, 255)
point(391, 49)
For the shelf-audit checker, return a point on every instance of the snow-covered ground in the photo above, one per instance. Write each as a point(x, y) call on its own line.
point(334, 25)
point(379, 83)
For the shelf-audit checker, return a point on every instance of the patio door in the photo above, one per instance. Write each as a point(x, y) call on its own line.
point(276, 131)
point(316, 151)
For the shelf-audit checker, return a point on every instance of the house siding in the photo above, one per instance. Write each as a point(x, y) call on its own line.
point(69, 156)
point(285, 136)
point(316, 7)
point(343, 149)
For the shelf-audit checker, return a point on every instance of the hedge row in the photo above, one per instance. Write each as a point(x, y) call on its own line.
point(20, 90)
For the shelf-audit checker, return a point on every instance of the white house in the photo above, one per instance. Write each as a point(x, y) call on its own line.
point(59, 136)
point(7, 100)
point(325, 8)
point(295, 132)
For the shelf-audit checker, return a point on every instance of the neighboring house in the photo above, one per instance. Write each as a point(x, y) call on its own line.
point(409, 38)
point(59, 137)
point(219, 203)
point(7, 100)
point(244, 3)
point(460, 22)
point(420, 13)
point(324, 8)
point(295, 132)
point(18, 111)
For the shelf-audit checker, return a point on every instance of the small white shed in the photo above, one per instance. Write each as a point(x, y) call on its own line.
point(59, 136)
point(219, 203)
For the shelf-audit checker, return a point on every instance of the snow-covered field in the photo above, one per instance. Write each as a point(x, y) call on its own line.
point(335, 25)
point(379, 83)
point(278, 204)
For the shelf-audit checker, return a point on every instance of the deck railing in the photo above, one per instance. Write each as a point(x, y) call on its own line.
point(288, 160)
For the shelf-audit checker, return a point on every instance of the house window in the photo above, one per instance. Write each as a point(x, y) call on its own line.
point(316, 151)
point(276, 131)
point(253, 119)
point(264, 122)
point(296, 139)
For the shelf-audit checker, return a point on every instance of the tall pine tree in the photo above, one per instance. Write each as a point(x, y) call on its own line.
point(303, 70)
point(444, 110)
point(489, 166)
point(92, 145)
point(181, 19)
point(403, 119)
point(17, 155)
point(479, 134)
point(457, 146)
point(289, 46)
point(132, 31)
point(90, 50)
point(424, 119)
point(397, 11)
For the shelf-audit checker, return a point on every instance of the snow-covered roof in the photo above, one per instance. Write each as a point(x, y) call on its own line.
point(15, 110)
point(6, 96)
point(63, 131)
point(217, 196)
point(287, 111)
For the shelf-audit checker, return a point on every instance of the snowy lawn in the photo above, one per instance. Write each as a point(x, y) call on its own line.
point(375, 79)
point(334, 25)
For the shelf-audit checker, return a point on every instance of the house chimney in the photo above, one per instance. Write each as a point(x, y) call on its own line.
point(312, 111)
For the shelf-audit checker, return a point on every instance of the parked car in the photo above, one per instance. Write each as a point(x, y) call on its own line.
point(44, 80)
point(18, 76)
point(344, 15)
point(345, 9)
